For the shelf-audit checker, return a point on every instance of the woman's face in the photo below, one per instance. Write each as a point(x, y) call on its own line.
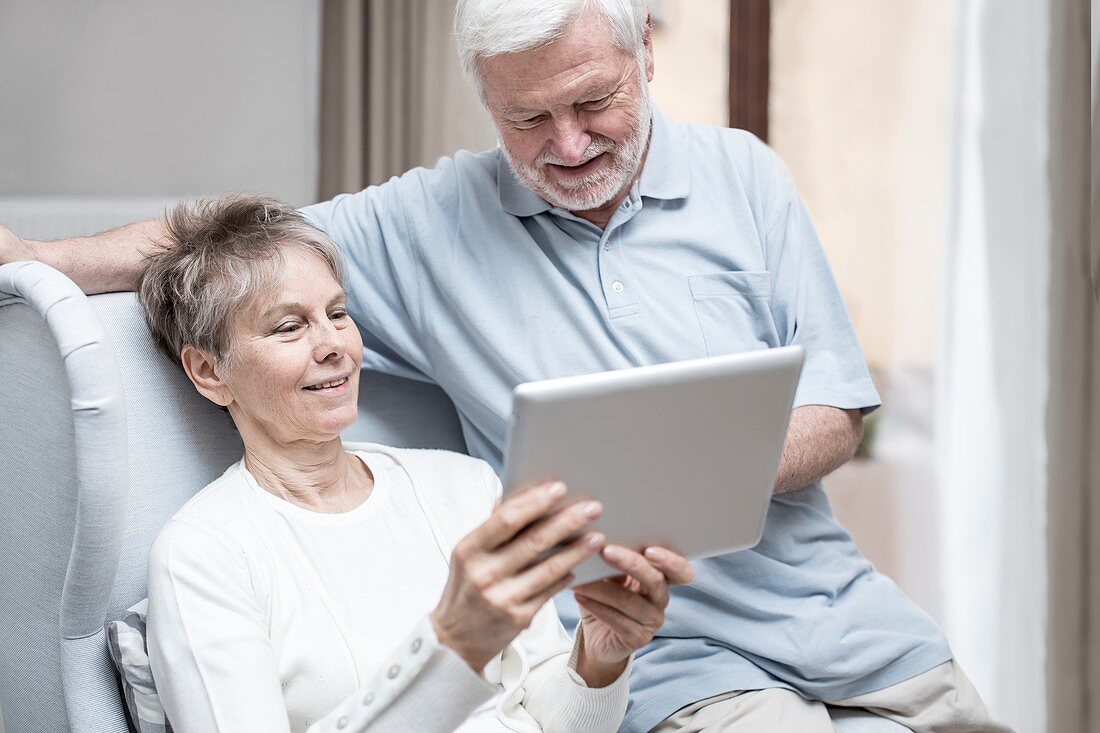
point(294, 372)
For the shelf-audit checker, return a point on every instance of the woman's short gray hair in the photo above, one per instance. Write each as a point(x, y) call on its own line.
point(485, 28)
point(219, 255)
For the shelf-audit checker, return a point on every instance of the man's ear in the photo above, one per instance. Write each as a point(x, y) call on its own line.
point(647, 41)
point(203, 373)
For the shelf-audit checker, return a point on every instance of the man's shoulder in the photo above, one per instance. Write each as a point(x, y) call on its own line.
point(718, 153)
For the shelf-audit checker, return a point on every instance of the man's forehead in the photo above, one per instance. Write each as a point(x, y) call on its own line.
point(582, 60)
point(581, 81)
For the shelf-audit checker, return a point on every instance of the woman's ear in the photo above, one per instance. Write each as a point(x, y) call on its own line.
point(203, 373)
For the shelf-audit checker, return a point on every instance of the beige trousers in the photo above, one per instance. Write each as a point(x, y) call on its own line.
point(941, 700)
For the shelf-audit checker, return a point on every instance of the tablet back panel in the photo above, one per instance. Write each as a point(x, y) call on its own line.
point(682, 455)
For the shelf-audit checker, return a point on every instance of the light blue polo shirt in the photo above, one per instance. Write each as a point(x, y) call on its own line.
point(461, 276)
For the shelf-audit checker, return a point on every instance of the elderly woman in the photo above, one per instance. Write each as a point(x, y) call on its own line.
point(322, 586)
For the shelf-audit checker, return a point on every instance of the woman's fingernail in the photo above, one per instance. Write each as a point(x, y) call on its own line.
point(596, 541)
point(592, 509)
point(655, 553)
point(556, 490)
point(611, 552)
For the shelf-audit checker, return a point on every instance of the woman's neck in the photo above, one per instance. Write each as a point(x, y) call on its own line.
point(320, 477)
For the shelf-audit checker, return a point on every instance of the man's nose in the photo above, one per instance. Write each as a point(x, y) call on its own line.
point(570, 140)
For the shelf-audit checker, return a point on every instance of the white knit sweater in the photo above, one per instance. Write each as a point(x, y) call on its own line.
point(237, 617)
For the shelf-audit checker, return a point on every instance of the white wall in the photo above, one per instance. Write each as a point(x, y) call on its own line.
point(158, 98)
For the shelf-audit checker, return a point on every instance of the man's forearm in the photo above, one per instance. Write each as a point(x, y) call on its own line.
point(107, 262)
point(820, 440)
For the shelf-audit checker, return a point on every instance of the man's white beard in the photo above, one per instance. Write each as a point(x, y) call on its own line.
point(596, 189)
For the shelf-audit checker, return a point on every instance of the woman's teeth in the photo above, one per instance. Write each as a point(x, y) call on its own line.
point(327, 385)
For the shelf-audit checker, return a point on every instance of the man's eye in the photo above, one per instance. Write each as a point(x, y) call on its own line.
point(596, 103)
point(529, 122)
point(339, 314)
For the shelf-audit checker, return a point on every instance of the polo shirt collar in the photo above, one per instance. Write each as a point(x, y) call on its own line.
point(664, 175)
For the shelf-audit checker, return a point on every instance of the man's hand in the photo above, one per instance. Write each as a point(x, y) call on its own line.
point(103, 263)
point(13, 248)
point(621, 615)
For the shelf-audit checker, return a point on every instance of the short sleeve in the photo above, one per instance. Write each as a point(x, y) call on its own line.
point(382, 270)
point(807, 307)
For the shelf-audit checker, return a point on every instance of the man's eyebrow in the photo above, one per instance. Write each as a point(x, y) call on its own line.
point(592, 92)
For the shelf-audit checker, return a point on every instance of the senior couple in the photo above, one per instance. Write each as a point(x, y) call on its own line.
point(320, 586)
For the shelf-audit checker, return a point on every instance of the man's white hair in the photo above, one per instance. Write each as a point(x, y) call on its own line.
point(485, 28)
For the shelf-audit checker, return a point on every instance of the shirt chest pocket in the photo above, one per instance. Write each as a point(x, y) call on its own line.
point(733, 311)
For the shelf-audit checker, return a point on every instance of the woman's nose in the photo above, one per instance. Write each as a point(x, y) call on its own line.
point(329, 342)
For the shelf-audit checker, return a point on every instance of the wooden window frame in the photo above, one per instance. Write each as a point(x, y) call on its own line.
point(750, 31)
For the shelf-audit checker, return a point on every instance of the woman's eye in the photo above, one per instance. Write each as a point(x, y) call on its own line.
point(290, 327)
point(339, 314)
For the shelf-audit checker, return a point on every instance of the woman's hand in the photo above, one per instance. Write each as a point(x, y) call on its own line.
point(621, 615)
point(495, 586)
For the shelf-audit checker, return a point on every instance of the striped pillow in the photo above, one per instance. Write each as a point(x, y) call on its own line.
point(126, 642)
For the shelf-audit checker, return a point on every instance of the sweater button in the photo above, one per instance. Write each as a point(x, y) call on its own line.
point(369, 698)
point(416, 646)
point(394, 671)
point(342, 722)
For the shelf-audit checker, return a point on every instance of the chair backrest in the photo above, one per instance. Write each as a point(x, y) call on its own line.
point(102, 438)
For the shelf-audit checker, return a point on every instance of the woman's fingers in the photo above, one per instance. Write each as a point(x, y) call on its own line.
point(652, 580)
point(544, 535)
point(639, 609)
point(634, 634)
point(513, 515)
point(546, 573)
point(677, 570)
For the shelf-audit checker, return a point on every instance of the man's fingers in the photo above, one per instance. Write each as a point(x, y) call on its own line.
point(534, 581)
point(514, 514)
point(675, 567)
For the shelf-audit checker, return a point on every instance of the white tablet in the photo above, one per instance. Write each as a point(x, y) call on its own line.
point(682, 455)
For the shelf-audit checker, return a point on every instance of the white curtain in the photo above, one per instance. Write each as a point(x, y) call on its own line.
point(1019, 390)
point(993, 384)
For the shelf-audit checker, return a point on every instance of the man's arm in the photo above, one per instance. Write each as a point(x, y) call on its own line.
point(820, 440)
point(103, 263)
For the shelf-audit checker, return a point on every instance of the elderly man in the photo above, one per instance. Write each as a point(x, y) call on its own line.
point(600, 235)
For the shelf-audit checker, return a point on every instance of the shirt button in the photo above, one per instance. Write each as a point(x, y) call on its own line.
point(394, 671)
point(618, 287)
point(416, 646)
point(369, 698)
point(342, 722)
point(626, 204)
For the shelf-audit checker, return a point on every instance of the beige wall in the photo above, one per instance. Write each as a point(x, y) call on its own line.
point(691, 60)
point(860, 95)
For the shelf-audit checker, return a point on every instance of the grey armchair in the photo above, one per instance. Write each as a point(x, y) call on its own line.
point(101, 440)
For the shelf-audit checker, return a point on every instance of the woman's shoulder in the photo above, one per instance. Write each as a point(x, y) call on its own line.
point(214, 518)
point(454, 484)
